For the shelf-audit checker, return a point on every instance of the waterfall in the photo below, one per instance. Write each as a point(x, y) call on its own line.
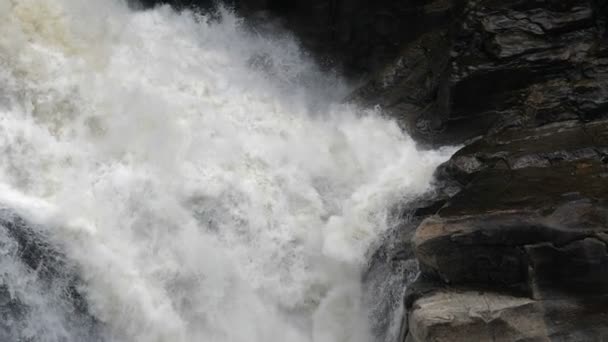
point(189, 178)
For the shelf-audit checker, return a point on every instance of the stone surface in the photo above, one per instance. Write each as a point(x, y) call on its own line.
point(512, 252)
point(530, 221)
point(497, 64)
point(473, 316)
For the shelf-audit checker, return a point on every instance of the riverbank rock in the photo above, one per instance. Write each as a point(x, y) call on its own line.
point(472, 316)
point(529, 197)
point(528, 229)
point(492, 65)
point(523, 86)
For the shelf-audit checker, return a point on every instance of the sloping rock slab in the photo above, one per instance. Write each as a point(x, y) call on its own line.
point(532, 217)
point(520, 252)
point(472, 316)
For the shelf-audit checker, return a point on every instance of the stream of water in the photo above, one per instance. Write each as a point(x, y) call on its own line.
point(205, 182)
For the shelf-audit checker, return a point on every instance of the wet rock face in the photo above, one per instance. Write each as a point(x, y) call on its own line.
point(356, 36)
point(530, 223)
point(520, 246)
point(529, 63)
point(524, 233)
point(448, 316)
point(498, 64)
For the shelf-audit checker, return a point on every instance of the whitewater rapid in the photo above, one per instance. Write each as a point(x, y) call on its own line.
point(204, 179)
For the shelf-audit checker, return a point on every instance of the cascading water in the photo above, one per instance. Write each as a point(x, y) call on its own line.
point(204, 182)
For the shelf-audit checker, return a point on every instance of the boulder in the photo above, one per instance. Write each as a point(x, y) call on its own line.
point(526, 236)
point(532, 214)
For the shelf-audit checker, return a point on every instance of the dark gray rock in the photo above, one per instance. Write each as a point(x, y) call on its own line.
point(530, 201)
point(474, 316)
point(492, 65)
point(529, 224)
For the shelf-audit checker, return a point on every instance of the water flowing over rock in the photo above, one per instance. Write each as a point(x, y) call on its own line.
point(515, 247)
point(179, 176)
point(495, 65)
point(519, 253)
point(40, 292)
point(530, 221)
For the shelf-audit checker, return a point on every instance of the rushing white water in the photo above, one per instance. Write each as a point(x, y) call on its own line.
point(205, 180)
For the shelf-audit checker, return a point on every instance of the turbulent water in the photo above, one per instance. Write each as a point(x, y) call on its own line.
point(194, 180)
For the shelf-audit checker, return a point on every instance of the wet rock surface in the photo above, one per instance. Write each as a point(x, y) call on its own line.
point(497, 64)
point(530, 224)
point(447, 316)
point(518, 250)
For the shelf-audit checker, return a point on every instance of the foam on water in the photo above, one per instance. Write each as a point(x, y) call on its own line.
point(206, 180)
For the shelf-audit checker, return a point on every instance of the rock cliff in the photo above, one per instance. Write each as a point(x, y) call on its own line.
point(519, 253)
